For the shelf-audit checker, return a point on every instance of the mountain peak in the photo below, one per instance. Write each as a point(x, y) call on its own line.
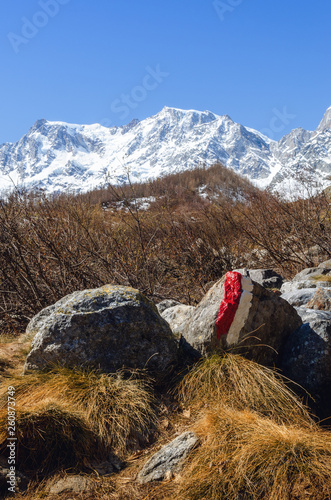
point(39, 123)
point(170, 109)
point(56, 155)
point(326, 120)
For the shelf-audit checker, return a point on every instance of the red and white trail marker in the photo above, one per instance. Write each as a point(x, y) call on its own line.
point(235, 306)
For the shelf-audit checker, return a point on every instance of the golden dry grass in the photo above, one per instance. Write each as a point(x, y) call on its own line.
point(259, 441)
point(113, 412)
point(244, 455)
point(241, 384)
point(49, 435)
point(321, 277)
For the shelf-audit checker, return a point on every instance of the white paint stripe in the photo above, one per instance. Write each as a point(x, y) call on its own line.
point(242, 311)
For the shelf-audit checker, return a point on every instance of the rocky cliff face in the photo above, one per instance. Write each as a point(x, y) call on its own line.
point(57, 156)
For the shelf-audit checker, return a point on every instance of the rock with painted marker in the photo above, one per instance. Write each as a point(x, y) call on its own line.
point(105, 328)
point(240, 315)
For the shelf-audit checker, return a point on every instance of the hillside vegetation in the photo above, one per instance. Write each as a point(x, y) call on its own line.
point(199, 224)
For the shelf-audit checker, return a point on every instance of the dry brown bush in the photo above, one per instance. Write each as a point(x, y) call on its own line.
point(52, 246)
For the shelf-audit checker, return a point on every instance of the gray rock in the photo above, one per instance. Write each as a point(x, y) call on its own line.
point(309, 315)
point(112, 465)
point(165, 304)
point(262, 323)
point(176, 317)
point(321, 300)
point(169, 459)
point(108, 328)
point(17, 482)
point(292, 286)
point(200, 330)
point(311, 278)
point(299, 297)
point(326, 264)
point(75, 484)
point(307, 359)
point(310, 273)
point(266, 277)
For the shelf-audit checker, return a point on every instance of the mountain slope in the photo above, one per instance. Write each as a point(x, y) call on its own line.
point(57, 156)
point(306, 154)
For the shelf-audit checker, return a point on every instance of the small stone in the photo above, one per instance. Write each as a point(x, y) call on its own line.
point(321, 300)
point(169, 475)
point(167, 461)
point(21, 481)
point(75, 484)
point(266, 277)
point(165, 304)
point(325, 265)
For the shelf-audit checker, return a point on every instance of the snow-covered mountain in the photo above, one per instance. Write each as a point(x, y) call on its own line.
point(58, 156)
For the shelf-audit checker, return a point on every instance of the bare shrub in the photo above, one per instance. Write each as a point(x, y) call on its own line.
point(52, 246)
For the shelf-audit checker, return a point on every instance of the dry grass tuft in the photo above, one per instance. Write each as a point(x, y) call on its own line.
point(246, 456)
point(109, 411)
point(321, 277)
point(241, 384)
point(49, 435)
point(120, 410)
point(258, 441)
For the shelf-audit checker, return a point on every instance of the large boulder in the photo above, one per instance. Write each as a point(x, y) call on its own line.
point(307, 358)
point(239, 314)
point(106, 328)
point(200, 329)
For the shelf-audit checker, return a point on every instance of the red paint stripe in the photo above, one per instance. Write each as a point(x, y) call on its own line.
point(229, 304)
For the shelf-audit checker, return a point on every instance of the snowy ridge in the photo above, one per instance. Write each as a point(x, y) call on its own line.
point(57, 156)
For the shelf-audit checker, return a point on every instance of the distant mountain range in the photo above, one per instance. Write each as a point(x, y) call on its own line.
point(57, 156)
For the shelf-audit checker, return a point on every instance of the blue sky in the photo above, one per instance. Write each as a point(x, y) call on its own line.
point(266, 64)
